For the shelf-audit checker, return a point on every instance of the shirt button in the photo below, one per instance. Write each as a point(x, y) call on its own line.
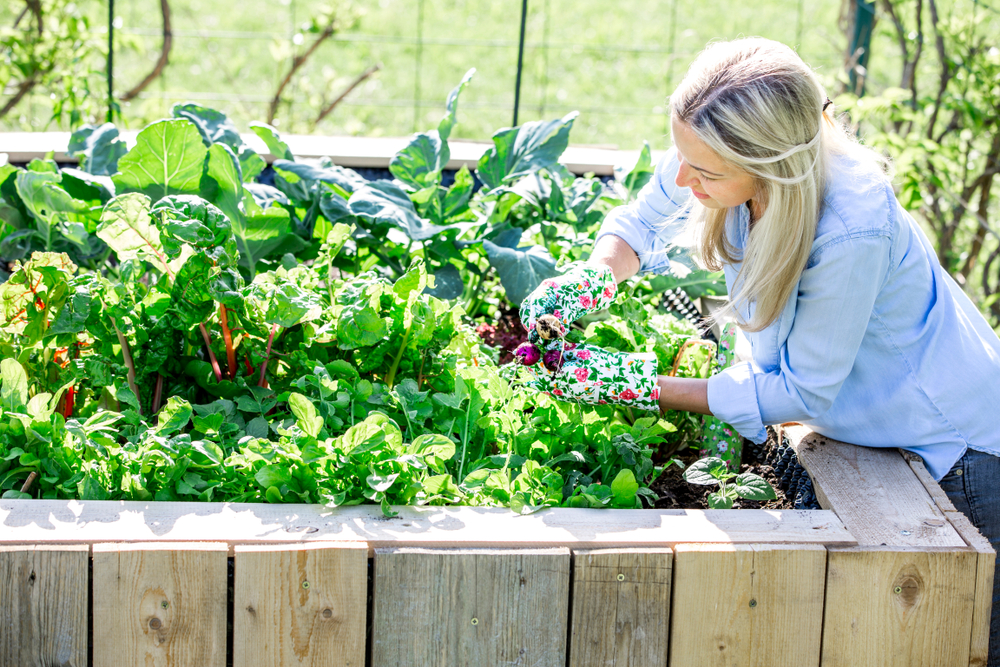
point(958, 472)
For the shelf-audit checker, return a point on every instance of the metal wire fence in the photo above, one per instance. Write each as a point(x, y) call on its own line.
point(614, 62)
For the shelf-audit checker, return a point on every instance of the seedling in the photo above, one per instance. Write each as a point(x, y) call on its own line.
point(712, 470)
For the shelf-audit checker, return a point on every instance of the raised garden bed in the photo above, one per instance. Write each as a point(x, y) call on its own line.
point(888, 574)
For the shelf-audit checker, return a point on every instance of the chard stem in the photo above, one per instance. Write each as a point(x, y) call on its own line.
point(267, 357)
point(211, 355)
point(227, 336)
point(395, 362)
point(129, 363)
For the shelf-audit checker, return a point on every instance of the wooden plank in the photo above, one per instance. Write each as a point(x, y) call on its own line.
point(160, 605)
point(747, 605)
point(70, 522)
point(986, 561)
point(346, 151)
point(299, 605)
point(898, 607)
point(43, 605)
point(873, 491)
point(621, 607)
point(446, 607)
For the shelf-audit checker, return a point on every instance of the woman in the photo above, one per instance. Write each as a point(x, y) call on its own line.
point(854, 326)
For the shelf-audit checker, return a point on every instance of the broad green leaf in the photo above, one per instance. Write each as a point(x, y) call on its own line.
point(631, 183)
point(128, 229)
point(90, 489)
point(696, 284)
point(384, 202)
point(448, 283)
point(456, 199)
point(305, 414)
point(624, 489)
point(707, 471)
point(14, 388)
point(381, 483)
point(277, 147)
point(432, 444)
point(518, 151)
point(273, 476)
point(520, 271)
point(263, 233)
point(419, 165)
point(213, 125)
point(98, 148)
point(717, 501)
point(168, 159)
point(224, 171)
point(304, 183)
point(753, 487)
point(47, 201)
point(174, 416)
point(94, 190)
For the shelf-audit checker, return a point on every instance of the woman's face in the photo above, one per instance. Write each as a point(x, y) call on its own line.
point(714, 182)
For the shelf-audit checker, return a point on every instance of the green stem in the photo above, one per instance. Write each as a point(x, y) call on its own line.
point(267, 357)
point(391, 376)
point(129, 363)
point(396, 268)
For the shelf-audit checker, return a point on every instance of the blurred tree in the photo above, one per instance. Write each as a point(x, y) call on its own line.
point(941, 125)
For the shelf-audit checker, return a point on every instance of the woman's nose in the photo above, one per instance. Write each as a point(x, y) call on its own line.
point(684, 176)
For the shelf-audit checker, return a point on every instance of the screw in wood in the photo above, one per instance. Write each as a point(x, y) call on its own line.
point(897, 590)
point(154, 623)
point(475, 621)
point(621, 577)
point(164, 604)
point(327, 613)
point(753, 603)
point(305, 584)
point(906, 532)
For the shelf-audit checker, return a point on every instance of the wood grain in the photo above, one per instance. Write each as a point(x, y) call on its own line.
point(447, 607)
point(67, 522)
point(873, 491)
point(621, 607)
point(300, 605)
point(986, 562)
point(43, 605)
point(898, 607)
point(747, 605)
point(160, 605)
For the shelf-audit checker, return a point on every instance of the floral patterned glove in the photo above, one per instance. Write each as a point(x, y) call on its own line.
point(584, 288)
point(721, 439)
point(592, 374)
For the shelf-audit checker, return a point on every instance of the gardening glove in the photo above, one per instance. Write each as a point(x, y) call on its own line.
point(584, 288)
point(594, 375)
point(719, 438)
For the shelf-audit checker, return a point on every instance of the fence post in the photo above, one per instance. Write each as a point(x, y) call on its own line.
point(520, 60)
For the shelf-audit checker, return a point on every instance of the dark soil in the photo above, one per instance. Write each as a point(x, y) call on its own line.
point(774, 461)
point(505, 334)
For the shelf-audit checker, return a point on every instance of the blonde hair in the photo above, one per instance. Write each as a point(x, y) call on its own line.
point(760, 108)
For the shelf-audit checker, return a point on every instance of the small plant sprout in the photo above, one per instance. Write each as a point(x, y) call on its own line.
point(712, 470)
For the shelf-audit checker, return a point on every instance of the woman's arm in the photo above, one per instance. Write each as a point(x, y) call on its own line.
point(688, 394)
point(616, 253)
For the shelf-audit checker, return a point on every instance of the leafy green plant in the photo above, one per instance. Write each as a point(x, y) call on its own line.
point(712, 471)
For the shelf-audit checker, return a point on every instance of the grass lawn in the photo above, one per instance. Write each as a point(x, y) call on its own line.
point(610, 61)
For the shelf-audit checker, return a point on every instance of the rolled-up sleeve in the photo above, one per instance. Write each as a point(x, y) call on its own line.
point(650, 224)
point(832, 310)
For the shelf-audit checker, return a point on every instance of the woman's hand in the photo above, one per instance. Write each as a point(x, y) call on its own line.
point(593, 375)
point(585, 288)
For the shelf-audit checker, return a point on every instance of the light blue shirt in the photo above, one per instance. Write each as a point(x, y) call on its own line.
point(877, 345)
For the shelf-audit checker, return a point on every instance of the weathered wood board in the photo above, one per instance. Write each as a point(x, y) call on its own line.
point(874, 492)
point(160, 605)
point(621, 607)
point(446, 607)
point(43, 605)
point(300, 605)
point(73, 522)
point(747, 605)
point(986, 561)
point(898, 607)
